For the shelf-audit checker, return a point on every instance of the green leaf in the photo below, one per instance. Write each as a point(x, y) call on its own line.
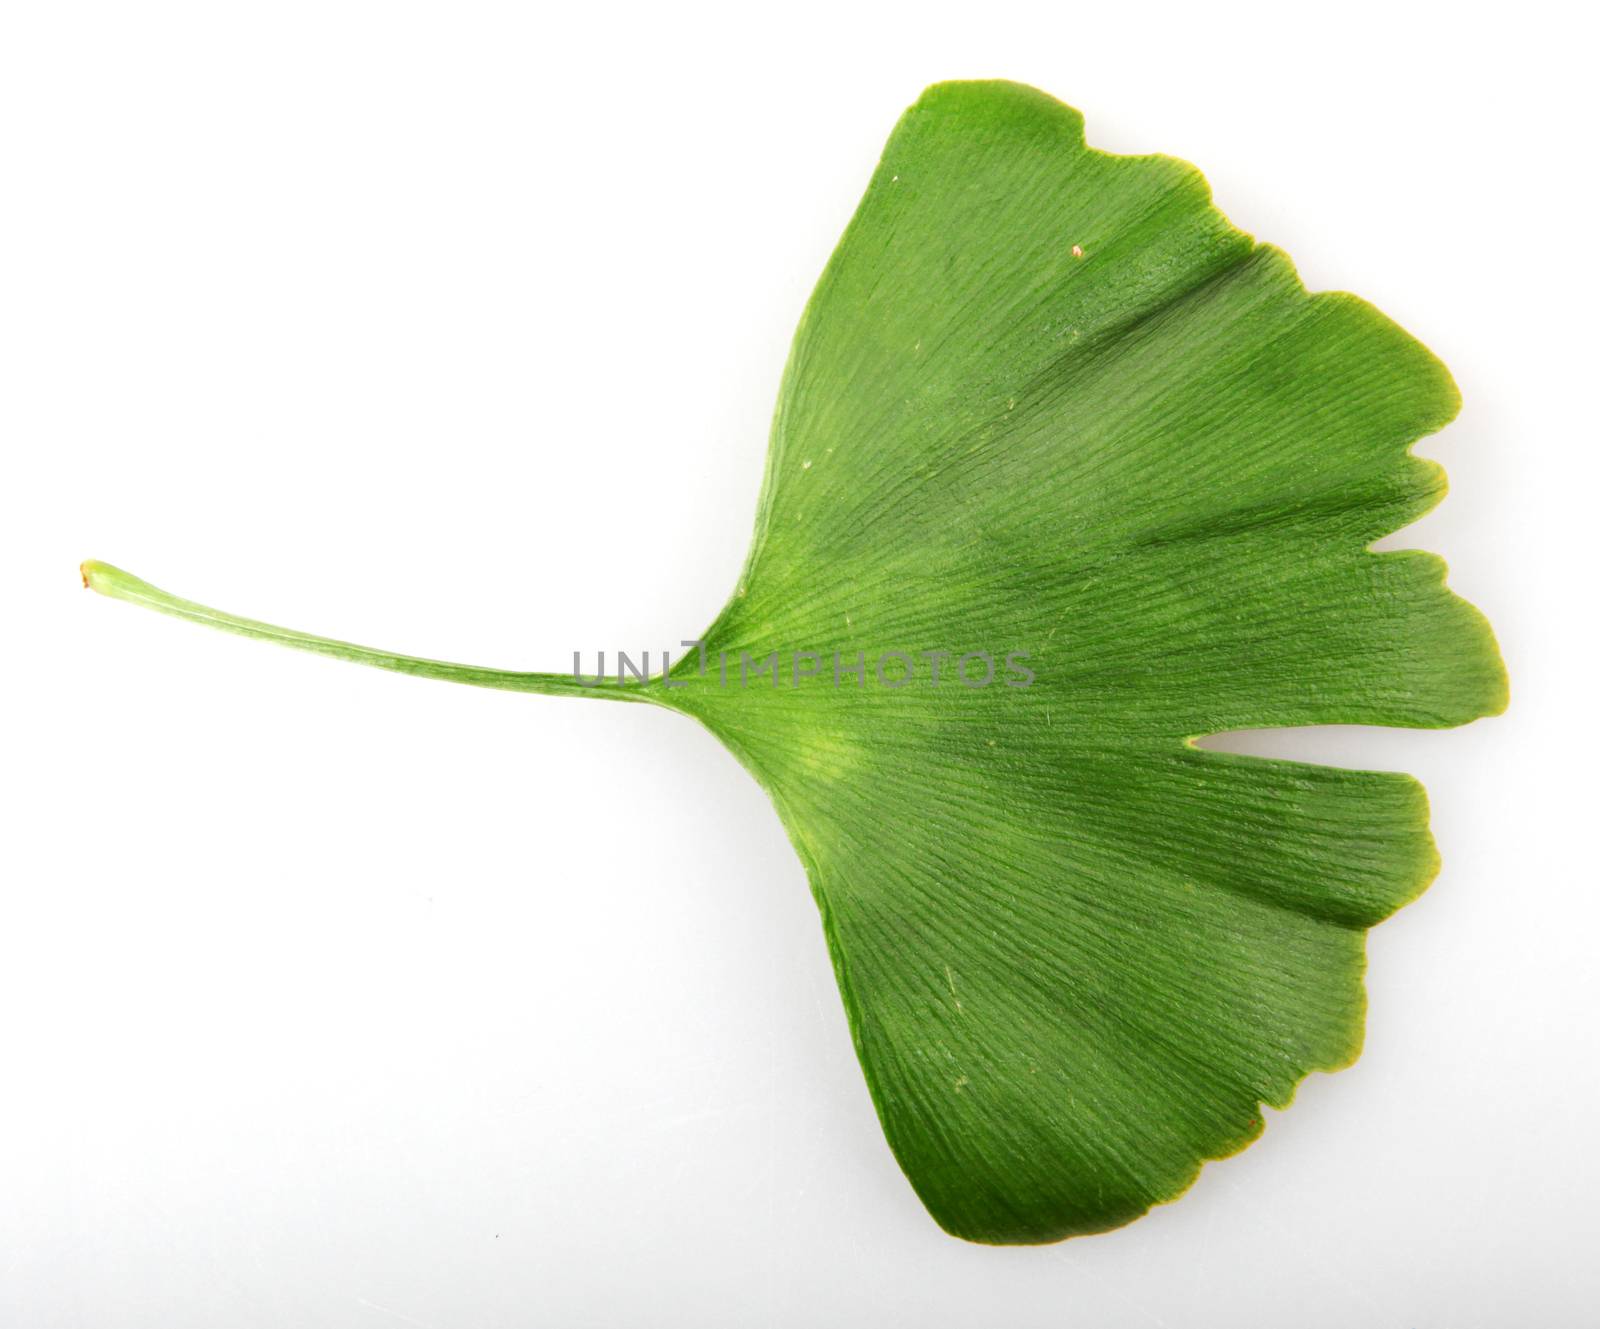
point(1048, 405)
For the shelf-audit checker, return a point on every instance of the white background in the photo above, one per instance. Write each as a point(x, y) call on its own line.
point(335, 998)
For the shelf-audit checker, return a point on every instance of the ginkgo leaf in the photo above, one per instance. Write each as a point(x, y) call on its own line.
point(1065, 473)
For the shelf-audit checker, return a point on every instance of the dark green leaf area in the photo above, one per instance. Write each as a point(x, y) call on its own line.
point(1048, 401)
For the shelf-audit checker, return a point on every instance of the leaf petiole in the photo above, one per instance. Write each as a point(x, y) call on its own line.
point(120, 585)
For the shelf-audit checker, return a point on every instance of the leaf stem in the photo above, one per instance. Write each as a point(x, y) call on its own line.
point(120, 585)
